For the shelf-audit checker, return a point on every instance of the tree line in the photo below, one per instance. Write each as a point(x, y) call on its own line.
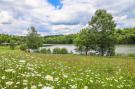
point(123, 36)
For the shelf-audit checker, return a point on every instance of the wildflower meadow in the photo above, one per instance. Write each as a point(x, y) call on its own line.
point(20, 70)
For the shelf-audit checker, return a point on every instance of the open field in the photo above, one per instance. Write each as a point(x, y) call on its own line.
point(20, 70)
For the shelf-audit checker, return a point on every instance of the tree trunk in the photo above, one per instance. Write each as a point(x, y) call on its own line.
point(102, 52)
point(86, 51)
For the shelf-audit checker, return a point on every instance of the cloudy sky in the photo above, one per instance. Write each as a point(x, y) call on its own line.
point(53, 17)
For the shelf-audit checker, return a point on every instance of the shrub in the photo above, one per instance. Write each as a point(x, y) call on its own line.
point(49, 51)
point(60, 51)
point(56, 51)
point(64, 51)
point(12, 44)
point(45, 51)
point(23, 47)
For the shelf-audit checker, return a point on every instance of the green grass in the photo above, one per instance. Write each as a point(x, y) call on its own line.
point(20, 70)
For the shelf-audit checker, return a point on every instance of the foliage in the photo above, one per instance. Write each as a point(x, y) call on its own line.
point(33, 39)
point(56, 51)
point(5, 38)
point(86, 40)
point(12, 44)
point(125, 36)
point(99, 36)
point(59, 39)
point(45, 51)
point(64, 51)
point(60, 51)
point(23, 47)
point(103, 23)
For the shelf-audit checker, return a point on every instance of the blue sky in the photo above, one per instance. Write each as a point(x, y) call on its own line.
point(52, 17)
point(56, 3)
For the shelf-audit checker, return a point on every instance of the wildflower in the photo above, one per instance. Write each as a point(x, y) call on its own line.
point(115, 80)
point(3, 77)
point(25, 82)
point(40, 85)
point(91, 81)
point(18, 83)
point(46, 87)
point(56, 79)
point(85, 87)
point(26, 88)
point(49, 78)
point(120, 86)
point(8, 70)
point(65, 76)
point(33, 87)
point(73, 87)
point(9, 83)
point(22, 61)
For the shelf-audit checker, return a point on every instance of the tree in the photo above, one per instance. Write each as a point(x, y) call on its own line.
point(86, 40)
point(103, 23)
point(33, 39)
point(23, 47)
point(12, 44)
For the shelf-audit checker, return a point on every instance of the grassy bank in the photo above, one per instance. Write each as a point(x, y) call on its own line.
point(20, 70)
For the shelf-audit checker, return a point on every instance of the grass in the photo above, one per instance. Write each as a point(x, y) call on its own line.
point(20, 70)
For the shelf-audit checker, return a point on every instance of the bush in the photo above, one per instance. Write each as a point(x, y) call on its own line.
point(49, 51)
point(23, 47)
point(56, 51)
point(60, 51)
point(64, 51)
point(45, 51)
point(12, 44)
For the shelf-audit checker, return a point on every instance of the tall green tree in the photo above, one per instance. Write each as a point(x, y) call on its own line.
point(86, 40)
point(103, 23)
point(34, 39)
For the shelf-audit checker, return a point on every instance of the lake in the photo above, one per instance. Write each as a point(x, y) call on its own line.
point(120, 49)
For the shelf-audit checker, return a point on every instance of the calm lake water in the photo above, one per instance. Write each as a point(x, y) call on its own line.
point(120, 49)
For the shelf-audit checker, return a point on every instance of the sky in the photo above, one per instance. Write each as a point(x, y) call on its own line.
point(55, 17)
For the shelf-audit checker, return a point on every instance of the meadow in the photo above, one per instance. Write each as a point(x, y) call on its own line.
point(21, 70)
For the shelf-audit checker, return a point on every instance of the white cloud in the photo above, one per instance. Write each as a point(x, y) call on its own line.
point(5, 17)
point(73, 16)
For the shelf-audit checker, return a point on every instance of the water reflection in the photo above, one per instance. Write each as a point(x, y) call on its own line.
point(120, 49)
